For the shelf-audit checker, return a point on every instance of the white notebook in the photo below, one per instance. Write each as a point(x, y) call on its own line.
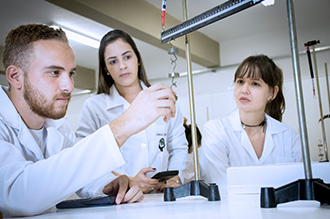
point(244, 180)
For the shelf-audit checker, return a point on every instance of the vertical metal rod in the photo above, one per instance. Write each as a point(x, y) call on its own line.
point(320, 106)
point(299, 94)
point(207, 114)
point(327, 80)
point(191, 95)
point(328, 89)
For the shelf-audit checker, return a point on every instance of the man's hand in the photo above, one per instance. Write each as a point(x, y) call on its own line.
point(124, 189)
point(151, 103)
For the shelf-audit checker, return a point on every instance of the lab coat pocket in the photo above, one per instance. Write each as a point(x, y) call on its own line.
point(157, 134)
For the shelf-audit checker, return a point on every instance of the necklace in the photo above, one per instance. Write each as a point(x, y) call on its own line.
point(259, 125)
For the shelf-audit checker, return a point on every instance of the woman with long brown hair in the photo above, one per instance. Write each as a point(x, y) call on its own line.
point(160, 147)
point(253, 134)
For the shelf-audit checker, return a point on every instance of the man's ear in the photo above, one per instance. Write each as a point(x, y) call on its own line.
point(14, 76)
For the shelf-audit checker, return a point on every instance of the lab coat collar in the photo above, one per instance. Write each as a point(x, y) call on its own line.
point(10, 116)
point(115, 99)
point(273, 127)
point(8, 112)
point(235, 120)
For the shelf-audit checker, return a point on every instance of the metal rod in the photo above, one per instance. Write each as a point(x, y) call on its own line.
point(328, 89)
point(207, 114)
point(327, 80)
point(320, 106)
point(191, 95)
point(299, 94)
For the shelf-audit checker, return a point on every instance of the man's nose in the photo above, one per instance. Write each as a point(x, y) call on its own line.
point(66, 83)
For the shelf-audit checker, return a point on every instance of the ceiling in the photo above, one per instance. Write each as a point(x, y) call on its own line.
point(254, 30)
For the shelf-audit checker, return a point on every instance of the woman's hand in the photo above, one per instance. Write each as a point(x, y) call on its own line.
point(173, 182)
point(146, 184)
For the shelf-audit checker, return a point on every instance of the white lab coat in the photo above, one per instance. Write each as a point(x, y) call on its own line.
point(226, 144)
point(142, 149)
point(32, 182)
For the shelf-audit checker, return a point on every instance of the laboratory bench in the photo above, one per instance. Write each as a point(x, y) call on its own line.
point(230, 206)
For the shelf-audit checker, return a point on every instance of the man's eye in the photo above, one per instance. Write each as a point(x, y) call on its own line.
point(54, 72)
point(72, 74)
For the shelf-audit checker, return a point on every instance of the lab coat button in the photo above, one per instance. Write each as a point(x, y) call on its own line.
point(143, 145)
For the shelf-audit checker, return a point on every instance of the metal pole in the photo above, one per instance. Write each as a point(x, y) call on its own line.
point(327, 80)
point(299, 94)
point(191, 95)
point(320, 106)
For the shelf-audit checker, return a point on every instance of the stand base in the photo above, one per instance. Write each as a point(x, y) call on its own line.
point(211, 191)
point(303, 189)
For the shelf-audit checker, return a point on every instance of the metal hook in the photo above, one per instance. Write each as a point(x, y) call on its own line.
point(173, 51)
point(173, 83)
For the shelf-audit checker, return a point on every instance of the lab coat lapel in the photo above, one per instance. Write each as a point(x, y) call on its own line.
point(114, 99)
point(245, 141)
point(244, 138)
point(54, 139)
point(274, 127)
point(12, 118)
point(268, 144)
point(25, 137)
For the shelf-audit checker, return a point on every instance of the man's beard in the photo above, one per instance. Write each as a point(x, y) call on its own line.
point(38, 102)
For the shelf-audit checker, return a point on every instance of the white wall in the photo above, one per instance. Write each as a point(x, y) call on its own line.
point(214, 98)
point(74, 109)
point(3, 80)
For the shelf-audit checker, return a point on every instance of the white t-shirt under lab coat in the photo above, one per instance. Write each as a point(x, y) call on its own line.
point(226, 144)
point(162, 145)
point(33, 180)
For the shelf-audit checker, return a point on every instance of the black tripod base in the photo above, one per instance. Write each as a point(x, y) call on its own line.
point(209, 191)
point(303, 189)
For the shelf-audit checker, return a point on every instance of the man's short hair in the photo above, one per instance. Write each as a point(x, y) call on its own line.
point(19, 43)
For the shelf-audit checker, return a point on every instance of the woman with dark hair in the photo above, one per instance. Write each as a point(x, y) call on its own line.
point(189, 173)
point(161, 146)
point(105, 79)
point(253, 134)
